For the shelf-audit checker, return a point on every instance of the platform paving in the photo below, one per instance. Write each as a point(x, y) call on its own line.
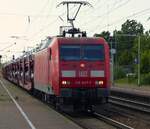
point(140, 90)
point(39, 114)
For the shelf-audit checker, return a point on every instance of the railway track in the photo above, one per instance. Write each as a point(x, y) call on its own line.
point(132, 104)
point(94, 121)
point(90, 120)
point(86, 120)
point(112, 122)
point(131, 95)
point(96, 117)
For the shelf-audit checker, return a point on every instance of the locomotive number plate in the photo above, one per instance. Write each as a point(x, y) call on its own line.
point(83, 73)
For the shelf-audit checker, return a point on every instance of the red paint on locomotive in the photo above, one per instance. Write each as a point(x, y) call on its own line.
point(72, 68)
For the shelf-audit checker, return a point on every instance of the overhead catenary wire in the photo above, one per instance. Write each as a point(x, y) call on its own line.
point(36, 19)
point(93, 27)
point(41, 11)
point(26, 15)
point(99, 6)
point(46, 12)
point(108, 12)
point(8, 46)
point(45, 27)
point(117, 21)
point(2, 43)
point(48, 25)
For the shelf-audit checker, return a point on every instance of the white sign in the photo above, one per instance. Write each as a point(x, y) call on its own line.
point(113, 51)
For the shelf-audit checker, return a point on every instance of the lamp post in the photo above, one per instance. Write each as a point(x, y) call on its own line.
point(0, 60)
point(112, 52)
point(139, 59)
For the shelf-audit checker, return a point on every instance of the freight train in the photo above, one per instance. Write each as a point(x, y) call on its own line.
point(72, 73)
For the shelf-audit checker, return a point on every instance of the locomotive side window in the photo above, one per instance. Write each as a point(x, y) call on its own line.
point(50, 54)
point(82, 52)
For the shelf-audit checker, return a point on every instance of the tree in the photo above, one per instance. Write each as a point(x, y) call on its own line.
point(144, 53)
point(147, 33)
point(145, 61)
point(132, 27)
point(125, 41)
point(104, 34)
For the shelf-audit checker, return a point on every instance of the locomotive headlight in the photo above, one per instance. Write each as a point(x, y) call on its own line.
point(99, 82)
point(64, 82)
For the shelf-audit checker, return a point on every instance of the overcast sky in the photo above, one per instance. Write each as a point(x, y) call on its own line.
point(32, 20)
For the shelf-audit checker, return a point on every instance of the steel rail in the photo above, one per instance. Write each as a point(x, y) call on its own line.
point(143, 107)
point(105, 119)
point(98, 116)
point(112, 122)
point(73, 120)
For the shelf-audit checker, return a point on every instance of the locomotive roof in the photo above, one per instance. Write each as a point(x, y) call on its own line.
point(88, 39)
point(45, 43)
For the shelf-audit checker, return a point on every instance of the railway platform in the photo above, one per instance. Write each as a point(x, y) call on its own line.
point(137, 90)
point(19, 110)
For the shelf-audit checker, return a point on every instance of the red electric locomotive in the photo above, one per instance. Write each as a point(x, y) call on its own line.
point(74, 70)
point(71, 72)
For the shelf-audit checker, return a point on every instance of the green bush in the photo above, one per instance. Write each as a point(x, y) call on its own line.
point(145, 79)
point(131, 77)
point(119, 73)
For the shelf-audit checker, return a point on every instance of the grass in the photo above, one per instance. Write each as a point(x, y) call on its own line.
point(132, 81)
point(131, 84)
point(4, 97)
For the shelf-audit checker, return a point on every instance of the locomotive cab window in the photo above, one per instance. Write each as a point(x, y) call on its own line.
point(93, 52)
point(70, 52)
point(82, 52)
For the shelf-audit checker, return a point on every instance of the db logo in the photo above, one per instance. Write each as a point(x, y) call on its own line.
point(83, 73)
